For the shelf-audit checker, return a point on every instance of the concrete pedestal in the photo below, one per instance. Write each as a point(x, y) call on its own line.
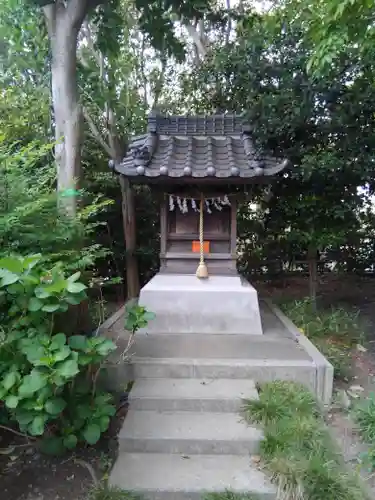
point(185, 304)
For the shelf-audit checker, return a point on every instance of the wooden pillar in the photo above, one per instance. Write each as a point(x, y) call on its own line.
point(129, 223)
point(233, 229)
point(163, 228)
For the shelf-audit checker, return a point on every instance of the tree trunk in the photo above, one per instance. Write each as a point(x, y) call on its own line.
point(68, 115)
point(128, 216)
point(313, 273)
point(64, 20)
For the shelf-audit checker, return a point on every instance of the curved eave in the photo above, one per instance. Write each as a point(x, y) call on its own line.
point(129, 169)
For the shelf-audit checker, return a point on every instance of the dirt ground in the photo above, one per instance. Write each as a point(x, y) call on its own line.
point(26, 474)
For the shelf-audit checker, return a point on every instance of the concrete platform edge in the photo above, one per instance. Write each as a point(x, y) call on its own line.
point(324, 369)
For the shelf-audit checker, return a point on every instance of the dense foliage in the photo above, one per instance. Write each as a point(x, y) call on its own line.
point(49, 383)
point(324, 126)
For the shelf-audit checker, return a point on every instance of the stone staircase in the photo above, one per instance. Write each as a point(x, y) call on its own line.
point(184, 435)
point(183, 438)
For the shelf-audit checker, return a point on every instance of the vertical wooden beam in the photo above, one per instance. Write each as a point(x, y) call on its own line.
point(129, 223)
point(163, 228)
point(233, 229)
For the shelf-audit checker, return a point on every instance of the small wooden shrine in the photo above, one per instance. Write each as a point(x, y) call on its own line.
point(198, 163)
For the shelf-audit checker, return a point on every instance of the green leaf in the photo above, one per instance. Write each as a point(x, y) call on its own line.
point(70, 441)
point(9, 380)
point(104, 422)
point(74, 277)
point(68, 369)
point(12, 401)
point(42, 293)
point(31, 261)
point(34, 354)
point(32, 383)
point(85, 359)
point(36, 428)
point(57, 286)
point(35, 304)
point(103, 398)
point(74, 300)
point(75, 287)
point(63, 307)
point(149, 316)
point(58, 341)
point(62, 353)
point(24, 417)
point(78, 342)
point(8, 278)
point(84, 411)
point(12, 264)
point(106, 347)
point(55, 406)
point(92, 433)
point(108, 409)
point(51, 308)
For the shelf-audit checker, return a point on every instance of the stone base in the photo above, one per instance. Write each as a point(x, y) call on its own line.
point(185, 304)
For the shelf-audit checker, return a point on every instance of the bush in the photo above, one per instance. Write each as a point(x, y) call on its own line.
point(48, 382)
point(333, 331)
point(30, 221)
point(336, 323)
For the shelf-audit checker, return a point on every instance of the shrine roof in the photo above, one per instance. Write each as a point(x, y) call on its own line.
point(197, 147)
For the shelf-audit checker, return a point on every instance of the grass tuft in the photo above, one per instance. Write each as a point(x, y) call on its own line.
point(297, 450)
point(228, 495)
point(280, 400)
point(364, 415)
point(334, 331)
point(104, 492)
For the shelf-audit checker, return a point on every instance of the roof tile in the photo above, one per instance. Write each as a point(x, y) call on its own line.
point(200, 146)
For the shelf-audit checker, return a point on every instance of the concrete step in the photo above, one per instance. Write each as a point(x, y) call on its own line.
point(187, 433)
point(260, 370)
point(200, 345)
point(177, 477)
point(220, 395)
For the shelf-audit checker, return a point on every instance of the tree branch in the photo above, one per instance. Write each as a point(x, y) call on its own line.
point(76, 11)
point(50, 17)
point(96, 133)
point(143, 73)
point(229, 25)
point(90, 42)
point(160, 83)
point(196, 37)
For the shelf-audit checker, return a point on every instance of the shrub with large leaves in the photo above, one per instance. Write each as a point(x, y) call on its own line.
point(48, 382)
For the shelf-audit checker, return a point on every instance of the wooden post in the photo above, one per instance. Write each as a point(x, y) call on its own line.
point(129, 223)
point(163, 228)
point(233, 229)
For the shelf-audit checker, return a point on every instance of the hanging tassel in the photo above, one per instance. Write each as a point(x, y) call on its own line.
point(184, 206)
point(202, 271)
point(179, 203)
point(225, 201)
point(194, 205)
point(209, 211)
point(171, 203)
point(216, 204)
